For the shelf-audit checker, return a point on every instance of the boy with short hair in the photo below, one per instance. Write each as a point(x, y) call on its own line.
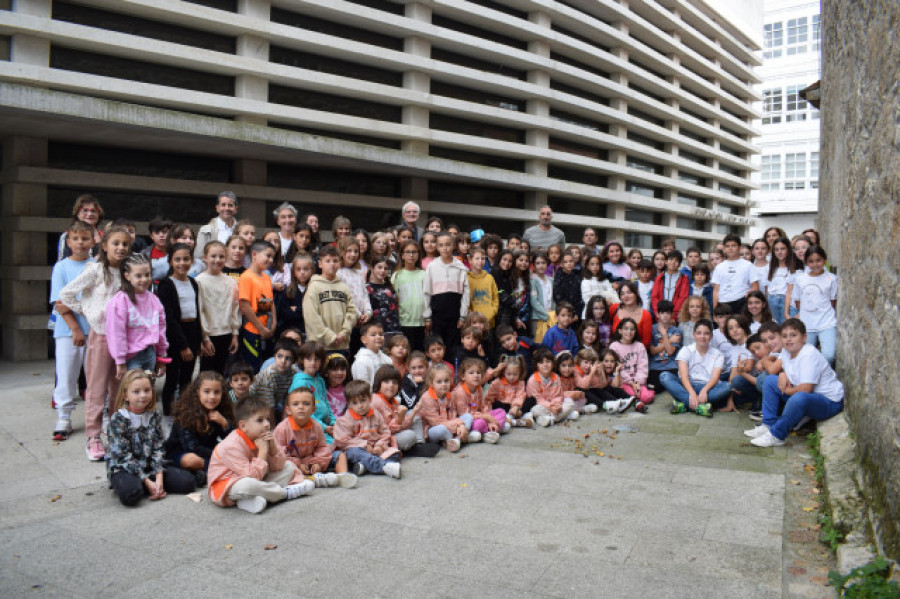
point(483, 294)
point(671, 284)
point(469, 344)
point(156, 251)
point(511, 344)
point(363, 436)
point(257, 302)
point(302, 440)
point(70, 330)
point(745, 376)
point(370, 358)
point(435, 350)
point(734, 278)
point(273, 381)
point(701, 285)
point(446, 292)
point(240, 378)
point(248, 469)
point(645, 271)
point(567, 287)
point(692, 257)
point(546, 388)
point(328, 310)
point(664, 345)
point(560, 337)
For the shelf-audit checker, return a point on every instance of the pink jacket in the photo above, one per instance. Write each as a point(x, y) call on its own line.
point(635, 363)
point(435, 411)
point(130, 328)
point(389, 410)
point(303, 445)
point(548, 394)
point(469, 402)
point(353, 430)
point(500, 390)
point(235, 458)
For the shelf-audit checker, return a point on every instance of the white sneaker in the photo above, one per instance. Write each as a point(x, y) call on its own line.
point(758, 431)
point(544, 420)
point(392, 469)
point(329, 479)
point(452, 445)
point(301, 488)
point(573, 415)
point(359, 469)
point(474, 437)
point(254, 505)
point(506, 428)
point(346, 480)
point(491, 437)
point(624, 404)
point(611, 406)
point(590, 408)
point(767, 439)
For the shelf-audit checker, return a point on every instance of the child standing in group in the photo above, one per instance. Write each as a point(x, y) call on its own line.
point(463, 245)
point(180, 298)
point(309, 360)
point(635, 363)
point(701, 286)
point(469, 399)
point(440, 422)
point(235, 252)
point(613, 257)
point(541, 296)
point(328, 310)
point(220, 313)
point(645, 281)
point(429, 248)
point(289, 303)
point(303, 442)
point(370, 357)
point(409, 282)
point(89, 294)
point(336, 368)
point(446, 293)
point(567, 288)
point(554, 259)
point(782, 267)
point(594, 284)
point(483, 293)
point(383, 298)
point(671, 285)
point(364, 437)
point(70, 330)
point(183, 233)
point(694, 309)
point(734, 278)
point(756, 310)
point(257, 304)
point(248, 468)
point(202, 419)
point(760, 255)
point(157, 252)
point(560, 337)
point(507, 392)
point(665, 343)
point(598, 311)
point(815, 294)
point(273, 381)
point(135, 464)
point(352, 275)
point(697, 387)
point(136, 321)
point(545, 387)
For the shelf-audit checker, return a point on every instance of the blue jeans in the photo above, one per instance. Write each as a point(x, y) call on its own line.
point(827, 342)
point(373, 463)
point(439, 433)
point(747, 392)
point(776, 304)
point(717, 396)
point(796, 406)
point(143, 360)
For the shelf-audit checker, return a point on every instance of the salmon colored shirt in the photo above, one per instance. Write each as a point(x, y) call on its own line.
point(355, 430)
point(303, 444)
point(438, 411)
point(501, 390)
point(234, 458)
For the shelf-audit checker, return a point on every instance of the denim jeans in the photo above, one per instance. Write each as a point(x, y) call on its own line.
point(776, 304)
point(796, 406)
point(143, 360)
point(827, 342)
point(717, 396)
point(748, 392)
point(373, 463)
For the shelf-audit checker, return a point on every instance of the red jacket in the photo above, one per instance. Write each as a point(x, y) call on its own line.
point(682, 291)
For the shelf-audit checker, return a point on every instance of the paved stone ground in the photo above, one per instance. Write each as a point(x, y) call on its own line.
point(681, 507)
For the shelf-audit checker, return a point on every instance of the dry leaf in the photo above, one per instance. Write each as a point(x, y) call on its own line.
point(195, 497)
point(808, 509)
point(55, 498)
point(794, 481)
point(270, 547)
point(229, 546)
point(464, 485)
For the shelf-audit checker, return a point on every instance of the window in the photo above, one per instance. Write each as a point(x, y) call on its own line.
point(770, 172)
point(797, 35)
point(772, 106)
point(795, 170)
point(691, 201)
point(814, 170)
point(774, 33)
point(795, 106)
point(816, 33)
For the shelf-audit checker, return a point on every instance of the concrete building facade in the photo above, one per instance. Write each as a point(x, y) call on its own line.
point(788, 176)
point(634, 117)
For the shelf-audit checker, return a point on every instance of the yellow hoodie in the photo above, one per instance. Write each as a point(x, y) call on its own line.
point(483, 295)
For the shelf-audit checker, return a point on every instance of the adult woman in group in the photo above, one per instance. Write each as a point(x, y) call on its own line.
point(630, 307)
point(286, 221)
point(221, 227)
point(87, 209)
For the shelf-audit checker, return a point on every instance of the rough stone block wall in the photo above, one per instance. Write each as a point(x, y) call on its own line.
point(860, 219)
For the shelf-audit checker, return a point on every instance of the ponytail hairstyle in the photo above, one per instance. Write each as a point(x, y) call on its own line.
point(103, 255)
point(128, 264)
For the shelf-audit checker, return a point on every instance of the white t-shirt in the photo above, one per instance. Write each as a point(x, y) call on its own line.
point(644, 290)
point(815, 295)
point(739, 353)
point(721, 343)
point(810, 366)
point(187, 299)
point(700, 367)
point(762, 276)
point(734, 278)
point(285, 244)
point(780, 281)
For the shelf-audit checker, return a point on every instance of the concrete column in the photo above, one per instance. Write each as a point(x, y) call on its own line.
point(252, 87)
point(29, 49)
point(252, 172)
point(417, 81)
point(24, 290)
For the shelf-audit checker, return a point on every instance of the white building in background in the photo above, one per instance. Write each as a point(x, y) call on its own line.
point(788, 194)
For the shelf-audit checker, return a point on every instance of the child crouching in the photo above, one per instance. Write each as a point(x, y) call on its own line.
point(248, 469)
point(363, 435)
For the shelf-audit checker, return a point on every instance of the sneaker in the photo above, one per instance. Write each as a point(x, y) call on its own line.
point(359, 469)
point(392, 469)
point(200, 477)
point(767, 439)
point(254, 505)
point(63, 430)
point(758, 431)
point(677, 407)
point(641, 407)
point(756, 415)
point(322, 479)
point(94, 449)
point(544, 420)
point(624, 404)
point(452, 445)
point(345, 480)
point(474, 437)
point(704, 409)
point(801, 424)
point(506, 428)
point(301, 488)
point(573, 415)
point(422, 450)
point(590, 408)
point(526, 421)
point(491, 437)
point(611, 406)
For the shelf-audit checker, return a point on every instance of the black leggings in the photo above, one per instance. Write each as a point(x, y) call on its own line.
point(416, 336)
point(217, 362)
point(131, 490)
point(179, 372)
point(598, 396)
point(653, 379)
point(529, 403)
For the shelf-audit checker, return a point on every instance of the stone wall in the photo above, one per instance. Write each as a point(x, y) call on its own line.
point(860, 220)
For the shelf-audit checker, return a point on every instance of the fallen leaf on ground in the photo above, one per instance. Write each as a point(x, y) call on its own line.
point(794, 481)
point(808, 509)
point(195, 497)
point(229, 546)
point(55, 498)
point(270, 547)
point(795, 571)
point(819, 580)
point(464, 485)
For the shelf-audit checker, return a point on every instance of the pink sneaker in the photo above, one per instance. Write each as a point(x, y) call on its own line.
point(94, 449)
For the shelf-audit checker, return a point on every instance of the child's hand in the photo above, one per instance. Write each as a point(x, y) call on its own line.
point(207, 349)
point(77, 338)
point(216, 417)
point(515, 412)
point(233, 347)
point(401, 413)
point(121, 369)
point(783, 382)
point(315, 469)
point(265, 333)
point(339, 339)
point(304, 469)
point(480, 351)
point(693, 401)
point(186, 355)
point(330, 430)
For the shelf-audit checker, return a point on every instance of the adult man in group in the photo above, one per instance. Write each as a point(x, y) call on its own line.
point(411, 212)
point(221, 227)
point(544, 234)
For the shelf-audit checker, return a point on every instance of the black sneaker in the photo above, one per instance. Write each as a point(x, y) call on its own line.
point(200, 477)
point(756, 415)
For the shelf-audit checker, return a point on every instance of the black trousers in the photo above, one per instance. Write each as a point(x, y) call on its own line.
point(131, 490)
point(179, 372)
point(529, 403)
point(217, 362)
point(416, 336)
point(598, 396)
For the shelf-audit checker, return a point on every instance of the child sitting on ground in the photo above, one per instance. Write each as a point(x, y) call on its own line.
point(303, 442)
point(363, 435)
point(370, 357)
point(469, 399)
point(507, 392)
point(248, 469)
point(664, 345)
point(635, 363)
point(599, 379)
point(546, 388)
point(310, 358)
point(565, 368)
point(398, 417)
point(438, 411)
point(336, 368)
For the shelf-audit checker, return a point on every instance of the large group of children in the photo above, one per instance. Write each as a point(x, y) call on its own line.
point(320, 362)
